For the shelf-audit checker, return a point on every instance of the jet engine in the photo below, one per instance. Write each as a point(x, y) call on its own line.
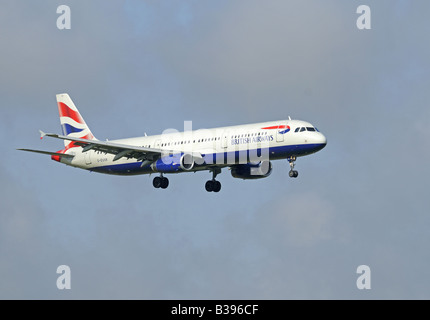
point(247, 171)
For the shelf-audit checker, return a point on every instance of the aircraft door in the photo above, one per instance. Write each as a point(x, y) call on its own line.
point(225, 140)
point(87, 156)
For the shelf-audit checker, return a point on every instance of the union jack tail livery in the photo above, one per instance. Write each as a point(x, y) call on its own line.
point(72, 123)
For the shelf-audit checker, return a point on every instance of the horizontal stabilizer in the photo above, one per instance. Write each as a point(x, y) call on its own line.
point(42, 134)
point(49, 153)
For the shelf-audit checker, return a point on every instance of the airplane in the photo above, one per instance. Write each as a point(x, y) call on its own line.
point(247, 150)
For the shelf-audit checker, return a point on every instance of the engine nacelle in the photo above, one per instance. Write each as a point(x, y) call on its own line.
point(174, 163)
point(186, 162)
point(252, 171)
point(167, 164)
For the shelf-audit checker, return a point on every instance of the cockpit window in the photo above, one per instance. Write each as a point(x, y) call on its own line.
point(317, 129)
point(297, 129)
point(302, 129)
point(310, 128)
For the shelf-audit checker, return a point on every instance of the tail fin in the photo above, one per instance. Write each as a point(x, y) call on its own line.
point(72, 123)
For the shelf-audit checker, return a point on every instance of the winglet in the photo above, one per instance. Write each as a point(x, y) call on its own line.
point(42, 134)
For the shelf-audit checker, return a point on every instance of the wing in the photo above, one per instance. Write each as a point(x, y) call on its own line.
point(146, 155)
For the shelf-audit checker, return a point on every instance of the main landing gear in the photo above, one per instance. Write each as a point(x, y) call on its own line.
point(293, 173)
point(210, 186)
point(213, 185)
point(160, 182)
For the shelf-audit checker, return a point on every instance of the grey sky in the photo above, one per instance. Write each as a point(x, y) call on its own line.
point(145, 66)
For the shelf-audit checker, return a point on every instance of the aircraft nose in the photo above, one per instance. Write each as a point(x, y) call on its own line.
point(320, 140)
point(323, 139)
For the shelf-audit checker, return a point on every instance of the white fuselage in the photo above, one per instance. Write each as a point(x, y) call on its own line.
point(224, 146)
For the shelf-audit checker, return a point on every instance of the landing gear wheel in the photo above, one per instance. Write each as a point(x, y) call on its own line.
point(209, 186)
point(213, 185)
point(157, 182)
point(164, 183)
point(217, 186)
point(160, 182)
point(293, 174)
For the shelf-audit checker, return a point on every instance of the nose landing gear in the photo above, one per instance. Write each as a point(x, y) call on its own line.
point(293, 173)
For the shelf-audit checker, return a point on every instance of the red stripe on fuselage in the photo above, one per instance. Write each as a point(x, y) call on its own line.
point(65, 111)
point(275, 127)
